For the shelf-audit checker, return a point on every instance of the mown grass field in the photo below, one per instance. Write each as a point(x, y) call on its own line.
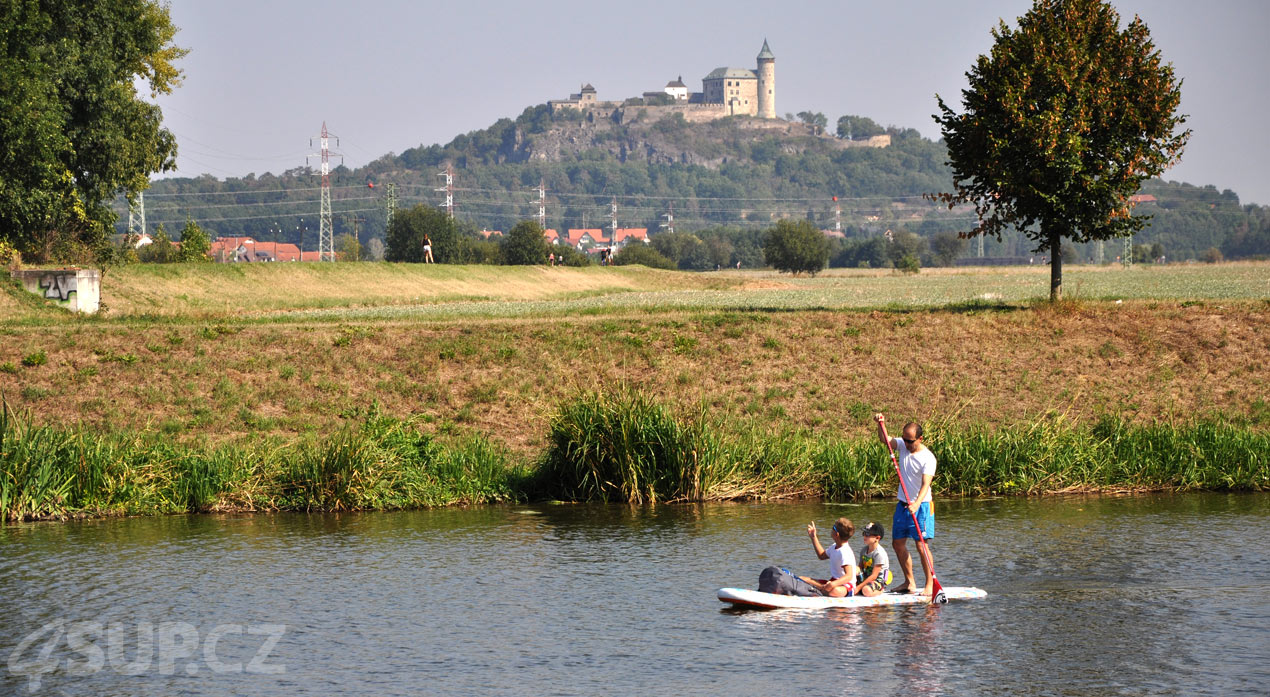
point(292, 356)
point(331, 292)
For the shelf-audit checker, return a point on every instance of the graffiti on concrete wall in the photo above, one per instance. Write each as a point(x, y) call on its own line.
point(58, 286)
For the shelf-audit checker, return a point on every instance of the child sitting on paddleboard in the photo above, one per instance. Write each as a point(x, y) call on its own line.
point(875, 566)
point(842, 567)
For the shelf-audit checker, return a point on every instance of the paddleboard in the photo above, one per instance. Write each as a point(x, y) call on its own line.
point(743, 597)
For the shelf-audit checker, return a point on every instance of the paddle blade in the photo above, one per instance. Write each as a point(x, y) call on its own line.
point(938, 597)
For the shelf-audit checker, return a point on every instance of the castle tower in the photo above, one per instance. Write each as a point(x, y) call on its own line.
point(766, 83)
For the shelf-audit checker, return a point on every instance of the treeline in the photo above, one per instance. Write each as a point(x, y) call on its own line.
point(749, 181)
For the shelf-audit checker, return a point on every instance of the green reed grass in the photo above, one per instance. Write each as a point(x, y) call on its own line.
point(47, 472)
point(622, 446)
point(626, 446)
point(602, 446)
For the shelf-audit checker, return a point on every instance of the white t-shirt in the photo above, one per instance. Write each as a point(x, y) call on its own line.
point(912, 467)
point(840, 557)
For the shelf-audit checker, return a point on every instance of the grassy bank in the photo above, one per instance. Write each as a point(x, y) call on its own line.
point(820, 371)
point(617, 446)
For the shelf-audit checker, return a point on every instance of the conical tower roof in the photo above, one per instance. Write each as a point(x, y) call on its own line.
point(766, 53)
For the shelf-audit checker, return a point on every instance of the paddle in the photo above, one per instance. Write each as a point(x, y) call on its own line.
point(937, 596)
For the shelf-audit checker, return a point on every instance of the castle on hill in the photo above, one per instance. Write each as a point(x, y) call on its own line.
point(724, 92)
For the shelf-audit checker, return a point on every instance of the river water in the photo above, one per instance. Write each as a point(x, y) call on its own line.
point(1088, 596)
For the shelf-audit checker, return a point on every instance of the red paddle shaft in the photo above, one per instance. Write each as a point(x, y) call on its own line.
point(937, 590)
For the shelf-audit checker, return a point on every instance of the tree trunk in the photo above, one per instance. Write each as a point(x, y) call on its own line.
point(1056, 266)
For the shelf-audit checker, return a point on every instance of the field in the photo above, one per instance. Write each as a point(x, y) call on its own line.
point(330, 292)
point(206, 356)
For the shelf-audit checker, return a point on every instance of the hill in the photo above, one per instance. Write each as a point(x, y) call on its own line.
point(735, 172)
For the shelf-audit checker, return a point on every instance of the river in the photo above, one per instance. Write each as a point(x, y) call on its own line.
point(1089, 596)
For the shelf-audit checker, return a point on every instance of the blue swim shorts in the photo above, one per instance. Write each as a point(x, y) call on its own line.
point(902, 522)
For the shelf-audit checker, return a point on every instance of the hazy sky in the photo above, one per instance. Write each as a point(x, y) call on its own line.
point(261, 77)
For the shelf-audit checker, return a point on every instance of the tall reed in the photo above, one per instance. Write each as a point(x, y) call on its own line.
point(622, 446)
point(602, 446)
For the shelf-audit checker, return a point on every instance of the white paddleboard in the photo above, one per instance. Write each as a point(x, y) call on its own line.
point(742, 597)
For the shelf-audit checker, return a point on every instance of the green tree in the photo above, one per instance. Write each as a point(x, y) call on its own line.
point(73, 130)
point(858, 127)
point(194, 243)
point(405, 236)
point(347, 248)
point(1063, 121)
point(904, 244)
point(642, 254)
point(947, 246)
point(813, 119)
point(160, 250)
point(796, 247)
point(524, 244)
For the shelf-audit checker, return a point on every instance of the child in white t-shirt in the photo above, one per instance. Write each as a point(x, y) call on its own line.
point(842, 566)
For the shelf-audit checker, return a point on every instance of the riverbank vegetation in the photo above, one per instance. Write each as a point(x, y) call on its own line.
point(620, 446)
point(759, 384)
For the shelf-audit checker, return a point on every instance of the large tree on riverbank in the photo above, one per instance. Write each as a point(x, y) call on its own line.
point(1064, 120)
point(73, 130)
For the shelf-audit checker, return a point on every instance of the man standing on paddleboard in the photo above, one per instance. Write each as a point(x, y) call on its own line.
point(917, 468)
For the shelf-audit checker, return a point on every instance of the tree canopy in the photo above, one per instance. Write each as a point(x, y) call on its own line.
point(409, 228)
point(524, 244)
point(1063, 121)
point(796, 247)
point(73, 130)
point(850, 126)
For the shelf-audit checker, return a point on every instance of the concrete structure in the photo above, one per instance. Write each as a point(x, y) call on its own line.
point(77, 290)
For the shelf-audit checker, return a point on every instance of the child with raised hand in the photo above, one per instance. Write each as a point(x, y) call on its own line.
point(875, 566)
point(842, 567)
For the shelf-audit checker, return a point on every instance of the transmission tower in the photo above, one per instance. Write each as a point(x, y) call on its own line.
point(326, 236)
point(390, 201)
point(137, 218)
point(448, 189)
point(1098, 252)
point(837, 215)
point(613, 215)
point(542, 204)
point(1128, 251)
point(670, 219)
point(980, 245)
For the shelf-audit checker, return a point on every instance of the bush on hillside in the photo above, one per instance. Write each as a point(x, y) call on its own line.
point(644, 255)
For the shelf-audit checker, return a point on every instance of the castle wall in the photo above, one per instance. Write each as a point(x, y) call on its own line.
point(692, 113)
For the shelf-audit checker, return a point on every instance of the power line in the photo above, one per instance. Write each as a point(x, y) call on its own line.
point(251, 193)
point(262, 217)
point(308, 202)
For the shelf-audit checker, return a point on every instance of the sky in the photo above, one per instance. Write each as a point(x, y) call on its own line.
point(389, 75)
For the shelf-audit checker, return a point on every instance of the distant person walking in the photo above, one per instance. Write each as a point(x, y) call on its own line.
point(917, 467)
point(427, 250)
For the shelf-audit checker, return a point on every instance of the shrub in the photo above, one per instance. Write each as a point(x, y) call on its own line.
point(570, 256)
point(642, 254)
